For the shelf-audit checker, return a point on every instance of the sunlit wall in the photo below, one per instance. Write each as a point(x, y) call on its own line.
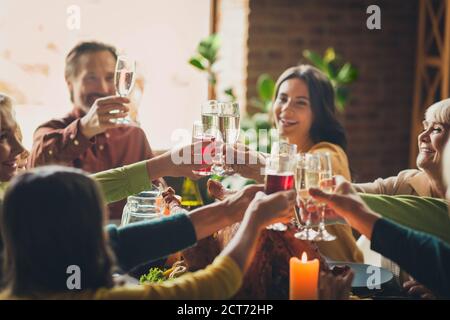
point(36, 35)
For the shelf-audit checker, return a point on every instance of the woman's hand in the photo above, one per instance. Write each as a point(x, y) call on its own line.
point(238, 202)
point(179, 162)
point(262, 211)
point(248, 163)
point(348, 204)
point(333, 287)
point(268, 209)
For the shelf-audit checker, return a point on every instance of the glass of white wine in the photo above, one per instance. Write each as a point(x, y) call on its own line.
point(124, 79)
point(229, 128)
point(304, 162)
point(326, 185)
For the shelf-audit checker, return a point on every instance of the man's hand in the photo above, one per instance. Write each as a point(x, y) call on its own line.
point(99, 117)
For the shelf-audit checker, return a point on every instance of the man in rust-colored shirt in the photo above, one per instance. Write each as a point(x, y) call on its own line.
point(88, 138)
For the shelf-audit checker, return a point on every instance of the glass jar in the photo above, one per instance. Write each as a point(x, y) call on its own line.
point(140, 207)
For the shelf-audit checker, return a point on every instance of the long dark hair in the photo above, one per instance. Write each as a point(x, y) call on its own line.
point(325, 126)
point(53, 218)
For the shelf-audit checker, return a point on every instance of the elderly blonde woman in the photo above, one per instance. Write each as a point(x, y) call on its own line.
point(426, 181)
point(424, 256)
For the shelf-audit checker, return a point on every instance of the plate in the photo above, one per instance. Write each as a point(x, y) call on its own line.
point(368, 279)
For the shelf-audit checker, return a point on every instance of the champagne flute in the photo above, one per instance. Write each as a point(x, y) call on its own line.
point(307, 232)
point(124, 79)
point(198, 134)
point(229, 128)
point(325, 184)
point(210, 121)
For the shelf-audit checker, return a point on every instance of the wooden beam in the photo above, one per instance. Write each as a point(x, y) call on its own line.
point(417, 100)
point(445, 86)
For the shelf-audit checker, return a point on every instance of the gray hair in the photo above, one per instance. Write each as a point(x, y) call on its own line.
point(439, 111)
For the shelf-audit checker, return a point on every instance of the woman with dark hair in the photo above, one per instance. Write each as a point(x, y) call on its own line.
point(304, 113)
point(53, 219)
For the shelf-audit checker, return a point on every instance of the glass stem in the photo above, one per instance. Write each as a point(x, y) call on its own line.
point(322, 217)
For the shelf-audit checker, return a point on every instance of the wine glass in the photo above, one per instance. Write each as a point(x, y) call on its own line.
point(325, 184)
point(198, 134)
point(279, 176)
point(124, 79)
point(229, 128)
point(210, 121)
point(307, 232)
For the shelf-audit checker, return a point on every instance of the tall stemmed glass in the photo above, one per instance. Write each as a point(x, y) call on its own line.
point(229, 128)
point(210, 121)
point(199, 134)
point(280, 167)
point(325, 184)
point(307, 232)
point(124, 79)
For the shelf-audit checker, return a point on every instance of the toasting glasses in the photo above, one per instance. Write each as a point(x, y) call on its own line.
point(313, 171)
point(221, 119)
point(280, 167)
point(124, 79)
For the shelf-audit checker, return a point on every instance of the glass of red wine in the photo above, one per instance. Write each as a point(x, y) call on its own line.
point(280, 167)
point(199, 134)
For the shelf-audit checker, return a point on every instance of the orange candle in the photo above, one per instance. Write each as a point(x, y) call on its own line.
point(304, 278)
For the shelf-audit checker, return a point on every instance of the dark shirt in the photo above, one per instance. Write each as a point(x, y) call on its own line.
point(60, 141)
point(424, 257)
point(147, 241)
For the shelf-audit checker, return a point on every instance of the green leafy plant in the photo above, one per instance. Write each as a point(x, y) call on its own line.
point(340, 74)
point(261, 119)
point(204, 60)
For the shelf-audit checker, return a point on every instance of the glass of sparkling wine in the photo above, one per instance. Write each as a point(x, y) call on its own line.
point(325, 184)
point(307, 232)
point(229, 128)
point(124, 79)
point(210, 121)
point(198, 134)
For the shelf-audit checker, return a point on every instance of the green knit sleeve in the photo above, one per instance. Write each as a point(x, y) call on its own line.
point(119, 183)
point(424, 214)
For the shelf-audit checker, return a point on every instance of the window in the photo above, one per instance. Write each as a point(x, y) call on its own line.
point(161, 35)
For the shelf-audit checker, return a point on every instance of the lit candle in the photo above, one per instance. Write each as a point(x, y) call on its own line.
point(304, 278)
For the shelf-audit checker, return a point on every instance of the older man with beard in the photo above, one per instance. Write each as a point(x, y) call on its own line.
point(88, 137)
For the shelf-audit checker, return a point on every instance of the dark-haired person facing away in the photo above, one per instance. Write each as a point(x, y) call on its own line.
point(142, 242)
point(304, 112)
point(43, 238)
point(86, 138)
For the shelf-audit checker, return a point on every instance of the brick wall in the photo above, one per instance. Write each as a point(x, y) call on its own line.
point(378, 118)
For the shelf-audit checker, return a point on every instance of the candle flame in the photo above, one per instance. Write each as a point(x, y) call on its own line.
point(304, 257)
